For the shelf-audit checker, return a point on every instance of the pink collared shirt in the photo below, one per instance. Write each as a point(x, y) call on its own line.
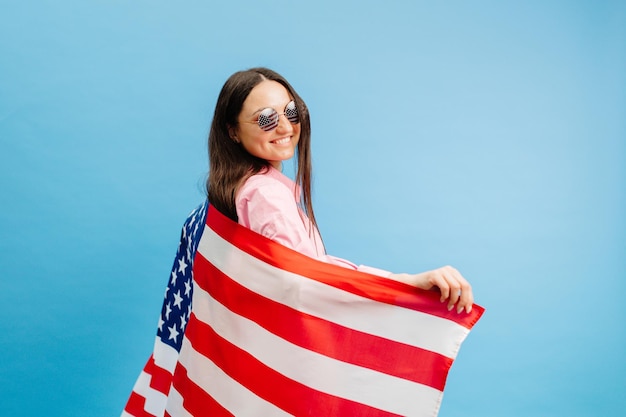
point(267, 203)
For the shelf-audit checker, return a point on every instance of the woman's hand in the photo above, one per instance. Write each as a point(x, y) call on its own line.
point(450, 283)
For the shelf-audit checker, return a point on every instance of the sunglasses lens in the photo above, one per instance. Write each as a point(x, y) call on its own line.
point(291, 112)
point(268, 119)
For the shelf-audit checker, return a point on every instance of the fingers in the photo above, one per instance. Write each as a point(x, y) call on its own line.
point(467, 298)
point(454, 288)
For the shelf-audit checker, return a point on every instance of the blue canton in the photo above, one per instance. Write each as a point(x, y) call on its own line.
point(177, 304)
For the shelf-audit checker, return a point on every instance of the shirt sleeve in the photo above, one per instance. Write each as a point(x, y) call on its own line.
point(268, 207)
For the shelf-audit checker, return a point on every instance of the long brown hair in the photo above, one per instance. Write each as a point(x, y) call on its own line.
point(230, 164)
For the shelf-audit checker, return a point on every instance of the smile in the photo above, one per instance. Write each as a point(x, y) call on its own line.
point(281, 141)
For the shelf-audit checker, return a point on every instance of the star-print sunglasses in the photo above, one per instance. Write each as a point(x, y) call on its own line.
point(268, 117)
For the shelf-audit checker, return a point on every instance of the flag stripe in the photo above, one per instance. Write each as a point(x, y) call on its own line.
point(219, 387)
point(375, 352)
point(161, 378)
point(135, 406)
point(165, 357)
point(154, 382)
point(332, 304)
point(376, 389)
point(152, 400)
point(375, 287)
point(196, 401)
point(291, 396)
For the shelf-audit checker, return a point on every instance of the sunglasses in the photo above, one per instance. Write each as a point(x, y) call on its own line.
point(268, 117)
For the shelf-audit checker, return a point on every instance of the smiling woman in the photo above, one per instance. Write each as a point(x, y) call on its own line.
point(270, 136)
point(255, 262)
point(243, 136)
point(248, 141)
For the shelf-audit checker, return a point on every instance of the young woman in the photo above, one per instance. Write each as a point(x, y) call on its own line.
point(259, 122)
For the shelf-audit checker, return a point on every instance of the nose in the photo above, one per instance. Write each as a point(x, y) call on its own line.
point(284, 125)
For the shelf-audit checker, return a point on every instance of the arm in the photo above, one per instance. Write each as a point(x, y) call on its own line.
point(448, 281)
point(268, 207)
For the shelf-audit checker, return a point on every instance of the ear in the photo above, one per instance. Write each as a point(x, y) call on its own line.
point(232, 132)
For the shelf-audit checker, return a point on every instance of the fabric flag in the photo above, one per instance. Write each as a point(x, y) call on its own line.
point(252, 328)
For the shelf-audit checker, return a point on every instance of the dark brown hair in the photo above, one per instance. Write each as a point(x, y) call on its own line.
point(230, 164)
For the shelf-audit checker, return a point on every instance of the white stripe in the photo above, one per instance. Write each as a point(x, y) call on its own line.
point(155, 400)
point(165, 356)
point(332, 304)
point(230, 394)
point(175, 406)
point(312, 369)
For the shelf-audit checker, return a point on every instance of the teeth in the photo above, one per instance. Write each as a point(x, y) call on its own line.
point(281, 141)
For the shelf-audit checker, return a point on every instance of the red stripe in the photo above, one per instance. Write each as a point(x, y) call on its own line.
point(161, 379)
point(319, 335)
point(135, 406)
point(195, 400)
point(286, 394)
point(356, 282)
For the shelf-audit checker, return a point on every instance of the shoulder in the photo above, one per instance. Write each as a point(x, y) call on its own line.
point(266, 200)
point(262, 179)
point(270, 182)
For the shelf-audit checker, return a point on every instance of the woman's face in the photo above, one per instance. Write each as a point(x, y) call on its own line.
point(275, 145)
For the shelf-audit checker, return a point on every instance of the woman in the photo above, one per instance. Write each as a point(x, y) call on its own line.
point(259, 122)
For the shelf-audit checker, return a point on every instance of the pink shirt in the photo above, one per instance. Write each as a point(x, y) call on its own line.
point(267, 203)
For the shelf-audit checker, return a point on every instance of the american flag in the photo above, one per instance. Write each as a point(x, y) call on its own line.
point(252, 328)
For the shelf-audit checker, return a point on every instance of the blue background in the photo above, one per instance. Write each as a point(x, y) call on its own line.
point(488, 135)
